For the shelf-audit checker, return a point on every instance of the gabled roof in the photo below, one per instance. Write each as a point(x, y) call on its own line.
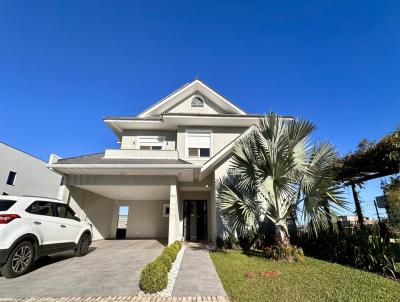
point(186, 90)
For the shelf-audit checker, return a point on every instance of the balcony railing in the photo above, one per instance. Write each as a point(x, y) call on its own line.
point(127, 154)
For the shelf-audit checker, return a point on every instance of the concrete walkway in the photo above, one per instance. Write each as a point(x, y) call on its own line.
point(197, 275)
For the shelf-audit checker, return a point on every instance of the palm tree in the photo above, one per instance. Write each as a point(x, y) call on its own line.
point(277, 171)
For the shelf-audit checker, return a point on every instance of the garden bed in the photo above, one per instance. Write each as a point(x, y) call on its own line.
point(311, 280)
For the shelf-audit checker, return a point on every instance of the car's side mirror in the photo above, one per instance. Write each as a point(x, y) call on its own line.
point(77, 218)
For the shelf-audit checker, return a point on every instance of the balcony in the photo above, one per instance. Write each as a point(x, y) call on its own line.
point(127, 154)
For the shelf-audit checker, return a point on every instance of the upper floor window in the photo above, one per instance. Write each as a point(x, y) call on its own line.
point(197, 102)
point(11, 178)
point(151, 142)
point(198, 143)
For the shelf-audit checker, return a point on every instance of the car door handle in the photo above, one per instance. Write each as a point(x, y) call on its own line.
point(37, 222)
point(63, 226)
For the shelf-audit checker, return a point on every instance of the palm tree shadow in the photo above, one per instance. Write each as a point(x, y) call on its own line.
point(257, 254)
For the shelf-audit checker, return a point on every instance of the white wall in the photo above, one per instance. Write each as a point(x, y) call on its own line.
point(93, 208)
point(33, 178)
point(145, 219)
point(221, 137)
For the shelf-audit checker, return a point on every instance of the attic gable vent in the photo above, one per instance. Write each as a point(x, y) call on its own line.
point(197, 102)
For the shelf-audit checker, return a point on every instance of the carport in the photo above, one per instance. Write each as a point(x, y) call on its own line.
point(97, 199)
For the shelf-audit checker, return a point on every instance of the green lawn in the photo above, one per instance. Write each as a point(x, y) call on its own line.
point(311, 280)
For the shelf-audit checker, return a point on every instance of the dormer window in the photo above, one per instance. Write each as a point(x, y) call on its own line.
point(197, 102)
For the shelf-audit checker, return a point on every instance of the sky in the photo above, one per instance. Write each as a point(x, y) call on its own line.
point(64, 65)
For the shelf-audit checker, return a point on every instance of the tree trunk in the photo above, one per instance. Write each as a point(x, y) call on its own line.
point(328, 216)
point(358, 206)
point(281, 233)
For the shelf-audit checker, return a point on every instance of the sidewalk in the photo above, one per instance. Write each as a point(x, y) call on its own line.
point(197, 275)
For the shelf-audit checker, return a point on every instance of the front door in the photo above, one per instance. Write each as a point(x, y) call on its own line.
point(195, 220)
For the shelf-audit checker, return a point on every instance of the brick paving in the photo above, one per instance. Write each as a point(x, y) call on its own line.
point(119, 299)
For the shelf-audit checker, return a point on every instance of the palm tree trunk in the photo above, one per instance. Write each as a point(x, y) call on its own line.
point(358, 206)
point(281, 233)
point(328, 216)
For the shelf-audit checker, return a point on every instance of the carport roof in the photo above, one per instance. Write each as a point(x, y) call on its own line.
point(98, 158)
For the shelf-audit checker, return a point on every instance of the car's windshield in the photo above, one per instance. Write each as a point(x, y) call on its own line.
point(6, 204)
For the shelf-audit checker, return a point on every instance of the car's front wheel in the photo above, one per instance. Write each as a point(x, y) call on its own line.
point(83, 245)
point(19, 261)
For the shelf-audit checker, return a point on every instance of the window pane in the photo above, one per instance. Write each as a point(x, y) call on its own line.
point(64, 211)
point(156, 148)
point(204, 152)
point(11, 178)
point(43, 208)
point(6, 204)
point(145, 147)
point(61, 211)
point(193, 152)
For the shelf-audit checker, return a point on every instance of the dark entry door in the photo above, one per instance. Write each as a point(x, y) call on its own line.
point(195, 220)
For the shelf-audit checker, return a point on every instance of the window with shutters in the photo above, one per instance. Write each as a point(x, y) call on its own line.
point(198, 144)
point(151, 142)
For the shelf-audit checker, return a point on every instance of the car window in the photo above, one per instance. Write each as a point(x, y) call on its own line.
point(64, 211)
point(6, 204)
point(44, 208)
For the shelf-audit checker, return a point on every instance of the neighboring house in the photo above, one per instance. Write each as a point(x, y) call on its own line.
point(352, 220)
point(24, 174)
point(165, 171)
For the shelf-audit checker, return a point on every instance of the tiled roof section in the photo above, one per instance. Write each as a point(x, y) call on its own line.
point(98, 158)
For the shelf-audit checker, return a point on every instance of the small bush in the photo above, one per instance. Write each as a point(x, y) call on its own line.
point(166, 260)
point(171, 252)
point(284, 252)
point(154, 277)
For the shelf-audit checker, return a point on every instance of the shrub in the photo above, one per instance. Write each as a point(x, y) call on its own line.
point(154, 277)
point(359, 249)
point(171, 252)
point(166, 260)
point(219, 242)
point(284, 252)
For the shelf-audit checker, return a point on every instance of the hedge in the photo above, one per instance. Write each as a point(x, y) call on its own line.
point(154, 277)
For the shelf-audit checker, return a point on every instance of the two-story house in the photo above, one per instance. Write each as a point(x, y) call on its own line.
point(165, 171)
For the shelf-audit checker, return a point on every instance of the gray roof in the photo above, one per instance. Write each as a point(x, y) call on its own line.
point(160, 117)
point(98, 158)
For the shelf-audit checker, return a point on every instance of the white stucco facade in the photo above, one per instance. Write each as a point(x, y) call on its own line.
point(159, 165)
point(31, 174)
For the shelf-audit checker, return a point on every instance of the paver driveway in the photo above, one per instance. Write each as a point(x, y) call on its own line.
point(112, 268)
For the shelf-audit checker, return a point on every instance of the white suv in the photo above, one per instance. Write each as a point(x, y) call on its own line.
point(31, 227)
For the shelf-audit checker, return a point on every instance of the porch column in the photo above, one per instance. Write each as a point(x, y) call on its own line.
point(213, 213)
point(173, 214)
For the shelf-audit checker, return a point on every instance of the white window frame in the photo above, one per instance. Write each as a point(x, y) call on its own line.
point(187, 148)
point(166, 205)
point(197, 108)
point(158, 137)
